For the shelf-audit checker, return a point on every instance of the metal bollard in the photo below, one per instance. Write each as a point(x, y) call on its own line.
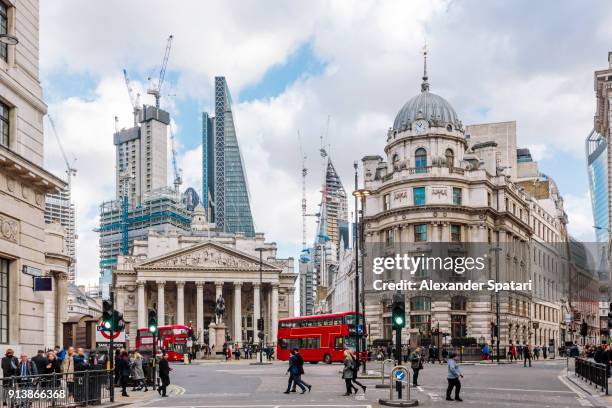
point(382, 373)
point(393, 378)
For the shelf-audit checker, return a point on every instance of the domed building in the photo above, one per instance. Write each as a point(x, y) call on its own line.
point(441, 194)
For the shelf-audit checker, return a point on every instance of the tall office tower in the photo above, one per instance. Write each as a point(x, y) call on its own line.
point(141, 155)
point(602, 131)
point(226, 196)
point(333, 217)
point(59, 208)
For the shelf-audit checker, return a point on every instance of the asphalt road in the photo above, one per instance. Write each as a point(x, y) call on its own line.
point(241, 385)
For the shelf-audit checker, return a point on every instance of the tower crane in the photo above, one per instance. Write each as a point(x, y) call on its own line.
point(70, 171)
point(304, 257)
point(135, 100)
point(156, 89)
point(178, 179)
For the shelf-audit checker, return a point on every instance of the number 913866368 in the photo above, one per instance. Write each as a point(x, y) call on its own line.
point(39, 393)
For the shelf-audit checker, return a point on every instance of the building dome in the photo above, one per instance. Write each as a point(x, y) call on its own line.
point(426, 105)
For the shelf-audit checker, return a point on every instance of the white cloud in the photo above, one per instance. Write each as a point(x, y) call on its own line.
point(489, 57)
point(580, 217)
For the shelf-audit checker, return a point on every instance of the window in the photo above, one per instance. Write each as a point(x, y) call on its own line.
point(450, 158)
point(420, 232)
point(386, 202)
point(389, 237)
point(488, 199)
point(459, 303)
point(4, 124)
point(3, 30)
point(420, 160)
point(4, 301)
point(455, 233)
point(418, 195)
point(420, 303)
point(456, 196)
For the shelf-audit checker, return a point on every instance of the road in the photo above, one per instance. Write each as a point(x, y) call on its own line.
point(237, 384)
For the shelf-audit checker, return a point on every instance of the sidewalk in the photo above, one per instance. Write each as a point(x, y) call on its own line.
point(599, 397)
point(137, 396)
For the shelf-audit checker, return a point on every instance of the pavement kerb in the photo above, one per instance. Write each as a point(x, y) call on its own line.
point(599, 397)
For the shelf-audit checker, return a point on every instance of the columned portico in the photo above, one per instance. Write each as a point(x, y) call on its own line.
point(238, 312)
point(180, 302)
point(161, 301)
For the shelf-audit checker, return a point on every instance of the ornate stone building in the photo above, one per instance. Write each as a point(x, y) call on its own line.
point(29, 320)
point(183, 275)
point(438, 191)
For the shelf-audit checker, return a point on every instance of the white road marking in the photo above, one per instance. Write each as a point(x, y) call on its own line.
point(581, 396)
point(269, 406)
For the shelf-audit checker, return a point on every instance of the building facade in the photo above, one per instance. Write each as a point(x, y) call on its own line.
point(225, 188)
point(183, 275)
point(29, 320)
point(59, 208)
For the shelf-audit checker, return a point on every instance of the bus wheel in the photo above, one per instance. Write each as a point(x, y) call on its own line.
point(327, 359)
point(313, 362)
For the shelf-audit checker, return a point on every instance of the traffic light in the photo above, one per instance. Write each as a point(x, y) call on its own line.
point(118, 322)
point(107, 315)
point(610, 317)
point(584, 329)
point(152, 321)
point(398, 315)
point(260, 324)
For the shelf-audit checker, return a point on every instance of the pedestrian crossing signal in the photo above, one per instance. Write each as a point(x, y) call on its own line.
point(152, 321)
point(398, 315)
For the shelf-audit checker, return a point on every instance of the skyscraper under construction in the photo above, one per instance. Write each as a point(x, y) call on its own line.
point(225, 192)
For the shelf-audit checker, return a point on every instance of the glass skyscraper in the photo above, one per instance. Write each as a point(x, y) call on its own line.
point(597, 160)
point(225, 190)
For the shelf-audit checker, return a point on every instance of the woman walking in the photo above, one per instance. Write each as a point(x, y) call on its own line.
point(138, 374)
point(355, 372)
point(348, 372)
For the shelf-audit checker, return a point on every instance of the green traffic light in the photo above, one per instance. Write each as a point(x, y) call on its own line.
point(107, 324)
point(152, 329)
point(399, 321)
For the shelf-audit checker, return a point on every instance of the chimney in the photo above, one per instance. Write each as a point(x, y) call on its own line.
point(610, 59)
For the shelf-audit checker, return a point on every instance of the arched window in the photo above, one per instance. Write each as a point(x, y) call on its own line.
point(450, 158)
point(395, 161)
point(420, 159)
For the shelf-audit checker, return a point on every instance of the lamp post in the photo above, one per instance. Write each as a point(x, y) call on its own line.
point(497, 249)
point(260, 333)
point(359, 242)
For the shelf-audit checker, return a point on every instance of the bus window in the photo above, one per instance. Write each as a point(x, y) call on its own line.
point(350, 319)
point(282, 343)
point(339, 343)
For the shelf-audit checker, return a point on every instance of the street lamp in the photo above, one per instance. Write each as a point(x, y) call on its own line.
point(497, 251)
point(8, 39)
point(260, 327)
point(359, 194)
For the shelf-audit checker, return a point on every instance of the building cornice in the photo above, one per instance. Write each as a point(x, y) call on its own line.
point(18, 167)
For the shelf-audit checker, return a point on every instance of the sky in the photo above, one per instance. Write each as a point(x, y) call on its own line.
point(336, 71)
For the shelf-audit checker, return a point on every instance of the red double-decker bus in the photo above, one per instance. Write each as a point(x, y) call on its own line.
point(320, 337)
point(172, 339)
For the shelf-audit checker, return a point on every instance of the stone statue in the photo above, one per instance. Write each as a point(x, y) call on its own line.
point(220, 309)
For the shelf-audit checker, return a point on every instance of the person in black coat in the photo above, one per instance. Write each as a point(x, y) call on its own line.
point(53, 366)
point(123, 368)
point(9, 364)
point(164, 374)
point(40, 360)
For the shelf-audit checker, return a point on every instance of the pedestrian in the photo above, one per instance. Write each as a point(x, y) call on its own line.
point(81, 390)
point(513, 351)
point(444, 354)
point(53, 366)
point(68, 369)
point(164, 374)
point(453, 378)
point(9, 363)
point(431, 354)
point(356, 364)
point(298, 378)
point(510, 351)
point(294, 373)
point(544, 352)
point(347, 373)
point(485, 352)
point(138, 374)
point(123, 368)
point(40, 360)
point(416, 362)
point(527, 355)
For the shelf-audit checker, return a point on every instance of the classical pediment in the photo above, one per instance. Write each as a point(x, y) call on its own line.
point(205, 256)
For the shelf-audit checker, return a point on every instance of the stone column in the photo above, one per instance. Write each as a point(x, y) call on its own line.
point(274, 309)
point(120, 298)
point(291, 301)
point(180, 302)
point(256, 308)
point(60, 310)
point(238, 312)
point(200, 305)
point(161, 310)
point(142, 310)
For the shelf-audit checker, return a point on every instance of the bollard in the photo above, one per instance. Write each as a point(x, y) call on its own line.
point(398, 378)
point(382, 373)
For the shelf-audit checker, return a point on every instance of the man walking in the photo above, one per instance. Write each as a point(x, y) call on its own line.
point(164, 374)
point(298, 379)
point(453, 378)
point(294, 373)
point(416, 362)
point(527, 355)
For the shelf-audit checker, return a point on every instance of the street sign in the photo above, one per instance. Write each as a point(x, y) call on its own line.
point(400, 375)
point(103, 336)
point(360, 329)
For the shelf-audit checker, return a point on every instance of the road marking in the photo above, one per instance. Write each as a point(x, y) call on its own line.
point(269, 406)
point(178, 390)
point(505, 389)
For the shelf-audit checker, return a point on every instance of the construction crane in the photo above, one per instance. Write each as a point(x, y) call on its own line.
point(178, 179)
point(70, 171)
point(156, 90)
point(135, 100)
point(305, 256)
